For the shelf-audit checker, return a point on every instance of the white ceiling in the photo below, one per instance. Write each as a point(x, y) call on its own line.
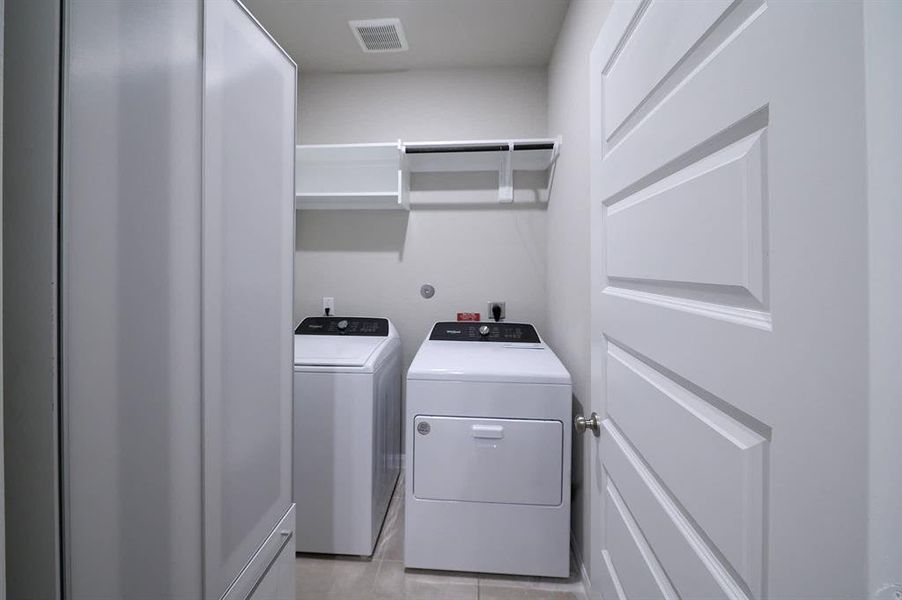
point(441, 33)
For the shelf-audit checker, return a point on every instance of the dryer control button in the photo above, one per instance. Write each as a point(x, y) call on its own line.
point(485, 330)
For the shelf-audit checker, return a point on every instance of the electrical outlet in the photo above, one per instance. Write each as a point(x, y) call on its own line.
point(490, 315)
point(329, 303)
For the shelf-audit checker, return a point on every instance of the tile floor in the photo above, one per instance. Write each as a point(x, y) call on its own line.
point(383, 577)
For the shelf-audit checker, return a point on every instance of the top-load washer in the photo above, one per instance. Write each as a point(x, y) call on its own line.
point(347, 431)
point(488, 452)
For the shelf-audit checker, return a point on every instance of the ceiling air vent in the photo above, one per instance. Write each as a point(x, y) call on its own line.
point(379, 35)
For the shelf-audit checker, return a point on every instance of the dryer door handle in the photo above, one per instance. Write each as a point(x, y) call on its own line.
point(494, 432)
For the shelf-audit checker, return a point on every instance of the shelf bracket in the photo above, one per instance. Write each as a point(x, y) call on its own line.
point(556, 152)
point(506, 176)
point(403, 178)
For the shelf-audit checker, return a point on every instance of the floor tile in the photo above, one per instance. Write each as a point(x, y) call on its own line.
point(393, 581)
point(391, 544)
point(556, 594)
point(333, 577)
point(507, 581)
point(501, 592)
point(323, 577)
point(529, 588)
point(391, 540)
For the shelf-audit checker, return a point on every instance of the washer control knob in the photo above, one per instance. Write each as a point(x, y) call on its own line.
point(484, 330)
point(342, 325)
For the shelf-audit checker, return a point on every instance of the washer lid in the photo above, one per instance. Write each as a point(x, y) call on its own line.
point(490, 362)
point(335, 351)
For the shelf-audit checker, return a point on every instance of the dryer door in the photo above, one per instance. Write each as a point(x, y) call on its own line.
point(508, 461)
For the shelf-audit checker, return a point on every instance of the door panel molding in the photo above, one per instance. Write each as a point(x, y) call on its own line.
point(695, 566)
point(670, 427)
point(726, 21)
point(707, 227)
point(636, 558)
point(702, 109)
point(663, 36)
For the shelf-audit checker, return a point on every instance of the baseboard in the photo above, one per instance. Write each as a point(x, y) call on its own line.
point(583, 574)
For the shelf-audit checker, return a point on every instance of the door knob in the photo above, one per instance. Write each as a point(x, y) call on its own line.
point(581, 423)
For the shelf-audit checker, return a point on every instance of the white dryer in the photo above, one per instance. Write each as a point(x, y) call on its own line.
point(347, 431)
point(488, 442)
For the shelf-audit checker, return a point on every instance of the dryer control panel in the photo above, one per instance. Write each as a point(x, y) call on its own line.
point(523, 333)
point(360, 326)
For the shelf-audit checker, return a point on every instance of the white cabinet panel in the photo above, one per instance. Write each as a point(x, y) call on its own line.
point(248, 241)
point(271, 573)
point(175, 221)
point(131, 264)
point(279, 582)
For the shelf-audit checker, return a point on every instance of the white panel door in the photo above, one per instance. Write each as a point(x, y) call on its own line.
point(248, 249)
point(729, 305)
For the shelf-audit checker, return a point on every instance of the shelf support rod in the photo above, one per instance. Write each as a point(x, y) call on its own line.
point(506, 176)
point(403, 178)
point(555, 153)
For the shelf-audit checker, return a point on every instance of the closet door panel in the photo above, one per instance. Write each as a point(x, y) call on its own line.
point(248, 248)
point(131, 275)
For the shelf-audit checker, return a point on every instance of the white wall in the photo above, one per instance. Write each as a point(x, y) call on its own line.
point(568, 232)
point(373, 262)
point(883, 55)
point(441, 104)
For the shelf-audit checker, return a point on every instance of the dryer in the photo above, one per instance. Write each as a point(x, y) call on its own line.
point(347, 431)
point(488, 441)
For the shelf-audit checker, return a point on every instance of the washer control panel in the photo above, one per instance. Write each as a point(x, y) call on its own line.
point(360, 326)
point(523, 333)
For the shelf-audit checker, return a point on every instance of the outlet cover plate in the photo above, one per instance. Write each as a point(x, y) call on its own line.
point(489, 316)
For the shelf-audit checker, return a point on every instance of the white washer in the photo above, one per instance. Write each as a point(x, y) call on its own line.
point(347, 431)
point(488, 439)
